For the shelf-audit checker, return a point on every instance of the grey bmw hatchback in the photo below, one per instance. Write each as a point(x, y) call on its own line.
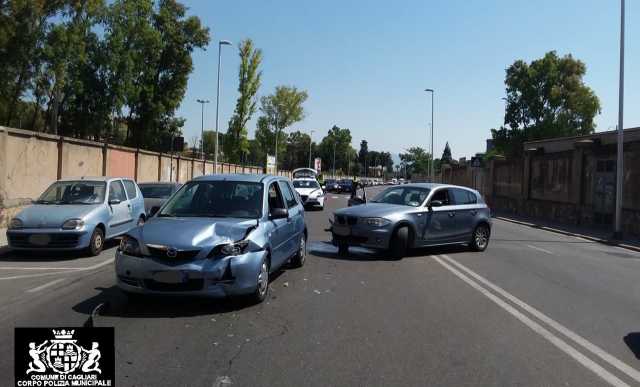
point(414, 215)
point(219, 235)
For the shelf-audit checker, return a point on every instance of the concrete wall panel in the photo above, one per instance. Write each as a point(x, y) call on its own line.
point(147, 167)
point(81, 160)
point(121, 163)
point(31, 166)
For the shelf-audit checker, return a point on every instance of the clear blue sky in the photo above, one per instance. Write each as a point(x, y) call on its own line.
point(365, 64)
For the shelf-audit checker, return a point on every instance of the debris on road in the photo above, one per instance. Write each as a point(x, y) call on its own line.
point(286, 284)
point(316, 291)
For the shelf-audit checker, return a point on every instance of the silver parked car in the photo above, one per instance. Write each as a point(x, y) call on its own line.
point(77, 214)
point(414, 215)
point(155, 194)
point(218, 235)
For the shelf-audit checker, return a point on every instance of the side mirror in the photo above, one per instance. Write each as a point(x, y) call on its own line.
point(114, 201)
point(154, 210)
point(278, 213)
point(435, 203)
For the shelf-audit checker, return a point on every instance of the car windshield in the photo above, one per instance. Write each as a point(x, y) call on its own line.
point(306, 184)
point(156, 191)
point(215, 199)
point(74, 192)
point(407, 196)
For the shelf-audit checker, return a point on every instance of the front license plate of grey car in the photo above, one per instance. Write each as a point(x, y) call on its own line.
point(170, 277)
point(341, 230)
point(39, 239)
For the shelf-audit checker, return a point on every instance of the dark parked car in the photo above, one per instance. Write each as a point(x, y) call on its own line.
point(346, 186)
point(331, 185)
point(414, 215)
point(155, 194)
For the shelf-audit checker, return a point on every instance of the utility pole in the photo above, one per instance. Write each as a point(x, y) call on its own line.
point(215, 157)
point(334, 158)
point(310, 140)
point(202, 102)
point(431, 172)
point(620, 164)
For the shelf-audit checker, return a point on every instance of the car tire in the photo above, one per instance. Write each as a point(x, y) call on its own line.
point(262, 284)
point(480, 237)
point(97, 242)
point(399, 243)
point(301, 256)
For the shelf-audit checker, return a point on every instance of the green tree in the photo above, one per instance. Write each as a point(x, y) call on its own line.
point(249, 82)
point(545, 98)
point(415, 160)
point(282, 109)
point(296, 154)
point(345, 156)
point(446, 154)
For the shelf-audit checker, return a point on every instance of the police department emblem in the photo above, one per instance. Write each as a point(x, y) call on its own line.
point(62, 355)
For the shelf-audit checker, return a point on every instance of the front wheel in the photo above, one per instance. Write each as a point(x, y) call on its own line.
point(262, 284)
point(301, 255)
point(480, 238)
point(97, 242)
point(400, 243)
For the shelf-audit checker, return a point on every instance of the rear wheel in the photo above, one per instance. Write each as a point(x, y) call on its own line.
point(480, 238)
point(97, 242)
point(400, 243)
point(301, 255)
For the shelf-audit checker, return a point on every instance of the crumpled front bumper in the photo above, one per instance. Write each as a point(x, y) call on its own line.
point(220, 277)
point(363, 236)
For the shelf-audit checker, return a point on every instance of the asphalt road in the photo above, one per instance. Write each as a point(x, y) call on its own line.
point(535, 309)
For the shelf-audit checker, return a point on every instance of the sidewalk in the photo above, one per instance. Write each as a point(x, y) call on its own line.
point(596, 234)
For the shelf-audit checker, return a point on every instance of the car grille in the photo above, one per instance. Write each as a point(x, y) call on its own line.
point(181, 255)
point(350, 220)
point(189, 286)
point(61, 240)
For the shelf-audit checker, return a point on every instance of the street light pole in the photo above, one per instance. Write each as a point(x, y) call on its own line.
point(432, 158)
point(215, 157)
point(334, 158)
point(620, 164)
point(310, 147)
point(202, 102)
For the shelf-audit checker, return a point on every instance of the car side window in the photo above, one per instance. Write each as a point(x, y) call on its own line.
point(130, 186)
point(275, 198)
point(473, 199)
point(116, 191)
point(460, 196)
point(443, 196)
point(289, 197)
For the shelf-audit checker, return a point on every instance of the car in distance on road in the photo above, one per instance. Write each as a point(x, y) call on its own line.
point(346, 186)
point(331, 185)
point(414, 215)
point(219, 235)
point(310, 192)
point(155, 194)
point(75, 214)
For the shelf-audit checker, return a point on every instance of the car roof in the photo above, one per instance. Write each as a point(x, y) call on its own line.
point(435, 185)
point(159, 183)
point(94, 178)
point(304, 179)
point(251, 178)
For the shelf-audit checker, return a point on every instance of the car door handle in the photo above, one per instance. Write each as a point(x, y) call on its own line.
point(452, 214)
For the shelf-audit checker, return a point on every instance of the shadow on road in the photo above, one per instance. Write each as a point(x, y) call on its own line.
point(49, 256)
point(117, 304)
point(633, 342)
point(541, 241)
point(329, 251)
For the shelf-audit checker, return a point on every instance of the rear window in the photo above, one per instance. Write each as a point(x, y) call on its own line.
point(130, 187)
point(156, 191)
point(462, 196)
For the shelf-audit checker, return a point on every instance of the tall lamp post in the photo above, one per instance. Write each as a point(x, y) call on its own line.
point(619, 166)
point(215, 157)
point(310, 140)
point(202, 102)
point(334, 158)
point(432, 158)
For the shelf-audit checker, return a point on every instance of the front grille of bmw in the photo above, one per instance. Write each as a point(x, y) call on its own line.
point(344, 219)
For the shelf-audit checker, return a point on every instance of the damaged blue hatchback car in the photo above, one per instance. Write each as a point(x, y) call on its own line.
point(219, 235)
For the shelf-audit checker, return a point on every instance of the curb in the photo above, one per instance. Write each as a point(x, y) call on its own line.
point(609, 242)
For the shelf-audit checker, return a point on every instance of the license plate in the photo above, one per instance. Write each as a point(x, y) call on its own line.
point(170, 277)
point(341, 230)
point(39, 239)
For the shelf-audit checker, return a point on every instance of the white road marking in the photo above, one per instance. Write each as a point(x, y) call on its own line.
point(335, 197)
point(539, 329)
point(586, 344)
point(96, 266)
point(539, 249)
point(48, 284)
point(39, 268)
